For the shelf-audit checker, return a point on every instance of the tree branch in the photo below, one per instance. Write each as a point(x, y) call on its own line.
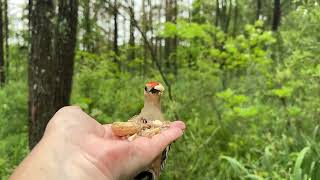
point(152, 52)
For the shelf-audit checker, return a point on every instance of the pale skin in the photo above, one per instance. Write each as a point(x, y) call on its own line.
point(75, 146)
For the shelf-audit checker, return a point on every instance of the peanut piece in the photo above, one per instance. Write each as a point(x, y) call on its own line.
point(125, 128)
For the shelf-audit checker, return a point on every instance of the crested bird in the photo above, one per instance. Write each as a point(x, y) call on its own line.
point(151, 112)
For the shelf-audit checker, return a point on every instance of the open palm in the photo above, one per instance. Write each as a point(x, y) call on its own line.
point(102, 152)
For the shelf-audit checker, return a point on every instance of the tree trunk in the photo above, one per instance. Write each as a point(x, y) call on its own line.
point(41, 71)
point(217, 13)
point(276, 15)
point(6, 20)
point(145, 47)
point(30, 4)
point(228, 16)
point(175, 40)
point(258, 10)
point(159, 45)
point(235, 18)
point(170, 43)
point(158, 39)
point(150, 23)
point(87, 42)
point(65, 43)
point(2, 63)
point(51, 62)
point(115, 32)
point(224, 14)
point(131, 55)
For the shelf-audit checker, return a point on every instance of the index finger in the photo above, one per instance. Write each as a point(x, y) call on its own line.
point(155, 145)
point(162, 140)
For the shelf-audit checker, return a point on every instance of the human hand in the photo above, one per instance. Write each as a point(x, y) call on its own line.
point(75, 146)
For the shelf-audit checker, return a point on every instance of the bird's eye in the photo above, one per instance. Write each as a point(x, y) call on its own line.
point(153, 91)
point(144, 121)
point(145, 88)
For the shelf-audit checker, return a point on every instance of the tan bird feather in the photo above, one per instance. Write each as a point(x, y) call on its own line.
point(151, 111)
point(149, 122)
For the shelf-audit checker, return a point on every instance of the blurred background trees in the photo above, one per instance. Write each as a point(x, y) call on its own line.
point(244, 75)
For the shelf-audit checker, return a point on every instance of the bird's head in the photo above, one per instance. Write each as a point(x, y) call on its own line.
point(153, 88)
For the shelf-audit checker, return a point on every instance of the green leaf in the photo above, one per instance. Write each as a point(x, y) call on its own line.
point(297, 171)
point(246, 112)
point(283, 92)
point(236, 165)
point(253, 176)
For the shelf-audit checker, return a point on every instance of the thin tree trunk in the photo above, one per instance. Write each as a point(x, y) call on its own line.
point(170, 43)
point(6, 19)
point(217, 13)
point(144, 29)
point(258, 9)
point(224, 17)
point(51, 62)
point(228, 16)
point(175, 40)
point(131, 55)
point(276, 15)
point(30, 7)
point(115, 32)
point(167, 41)
point(167, 48)
point(87, 42)
point(217, 20)
point(2, 62)
point(235, 18)
point(150, 22)
point(110, 36)
point(29, 15)
point(159, 43)
point(124, 29)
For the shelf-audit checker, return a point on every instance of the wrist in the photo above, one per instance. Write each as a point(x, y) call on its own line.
point(39, 164)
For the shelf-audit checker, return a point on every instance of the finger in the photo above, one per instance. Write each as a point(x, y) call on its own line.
point(178, 124)
point(145, 150)
point(149, 148)
point(162, 140)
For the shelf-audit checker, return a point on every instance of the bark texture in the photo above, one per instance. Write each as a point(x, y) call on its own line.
point(51, 62)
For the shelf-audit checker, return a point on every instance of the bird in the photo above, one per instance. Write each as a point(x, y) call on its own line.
point(151, 114)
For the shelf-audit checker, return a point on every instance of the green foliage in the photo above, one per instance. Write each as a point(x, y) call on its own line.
point(236, 166)
point(248, 106)
point(13, 129)
point(297, 172)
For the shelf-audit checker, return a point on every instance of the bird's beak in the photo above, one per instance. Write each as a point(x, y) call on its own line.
point(159, 87)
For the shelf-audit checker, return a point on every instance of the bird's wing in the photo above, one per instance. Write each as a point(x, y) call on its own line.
point(135, 118)
point(164, 157)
